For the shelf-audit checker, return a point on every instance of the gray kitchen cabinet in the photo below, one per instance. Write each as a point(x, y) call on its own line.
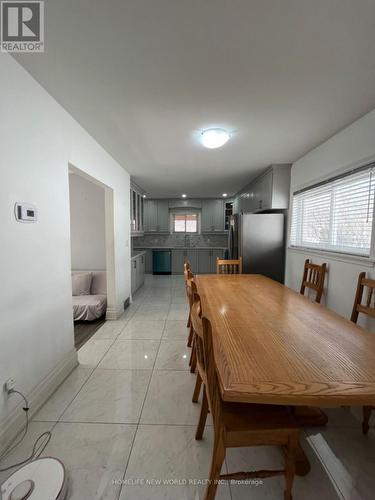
point(180, 255)
point(133, 275)
point(136, 212)
point(213, 216)
point(191, 256)
point(162, 216)
point(270, 191)
point(207, 259)
point(156, 216)
point(189, 203)
point(178, 259)
point(151, 214)
point(148, 266)
point(137, 272)
point(204, 260)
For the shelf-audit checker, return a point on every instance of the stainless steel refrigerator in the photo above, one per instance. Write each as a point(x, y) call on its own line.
point(260, 240)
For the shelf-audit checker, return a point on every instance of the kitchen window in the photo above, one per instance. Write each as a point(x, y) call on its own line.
point(185, 223)
point(336, 215)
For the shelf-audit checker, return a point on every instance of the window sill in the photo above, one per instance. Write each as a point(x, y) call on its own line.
point(352, 259)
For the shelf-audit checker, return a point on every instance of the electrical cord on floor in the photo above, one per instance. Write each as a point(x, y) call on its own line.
point(39, 445)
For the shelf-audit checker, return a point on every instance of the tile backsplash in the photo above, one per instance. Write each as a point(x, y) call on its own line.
point(180, 240)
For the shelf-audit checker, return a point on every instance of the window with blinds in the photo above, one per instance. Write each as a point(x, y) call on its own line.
point(336, 215)
point(185, 223)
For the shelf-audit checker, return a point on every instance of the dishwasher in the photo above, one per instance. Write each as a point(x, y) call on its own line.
point(161, 262)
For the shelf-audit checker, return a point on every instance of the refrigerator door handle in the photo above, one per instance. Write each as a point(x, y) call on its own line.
point(230, 241)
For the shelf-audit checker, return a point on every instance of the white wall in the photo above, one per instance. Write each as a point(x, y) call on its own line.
point(38, 140)
point(353, 146)
point(87, 224)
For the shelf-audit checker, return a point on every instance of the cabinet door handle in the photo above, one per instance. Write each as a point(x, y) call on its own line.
point(135, 264)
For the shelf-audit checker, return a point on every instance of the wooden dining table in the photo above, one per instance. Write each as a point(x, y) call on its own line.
point(275, 346)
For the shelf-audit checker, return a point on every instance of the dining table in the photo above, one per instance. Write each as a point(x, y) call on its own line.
point(273, 345)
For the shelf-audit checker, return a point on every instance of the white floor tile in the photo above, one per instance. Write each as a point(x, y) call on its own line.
point(178, 312)
point(168, 399)
point(131, 354)
point(173, 355)
point(92, 352)
point(142, 329)
point(110, 330)
point(176, 330)
point(169, 453)
point(95, 456)
point(64, 395)
point(113, 396)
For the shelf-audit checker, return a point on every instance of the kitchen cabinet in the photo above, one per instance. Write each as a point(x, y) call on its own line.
point(180, 255)
point(137, 272)
point(270, 191)
point(213, 216)
point(194, 203)
point(148, 259)
point(136, 212)
point(156, 216)
point(207, 260)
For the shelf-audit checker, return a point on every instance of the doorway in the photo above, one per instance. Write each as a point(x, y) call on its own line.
point(92, 262)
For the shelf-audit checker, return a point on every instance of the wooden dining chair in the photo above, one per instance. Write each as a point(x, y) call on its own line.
point(368, 307)
point(313, 278)
point(225, 266)
point(189, 277)
point(239, 424)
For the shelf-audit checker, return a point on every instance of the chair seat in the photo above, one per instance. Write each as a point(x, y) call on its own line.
point(243, 417)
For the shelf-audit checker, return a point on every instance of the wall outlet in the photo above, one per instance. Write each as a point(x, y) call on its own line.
point(9, 385)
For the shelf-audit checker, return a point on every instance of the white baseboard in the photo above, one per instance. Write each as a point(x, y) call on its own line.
point(15, 421)
point(113, 313)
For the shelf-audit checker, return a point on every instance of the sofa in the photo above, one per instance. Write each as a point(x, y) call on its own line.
point(89, 291)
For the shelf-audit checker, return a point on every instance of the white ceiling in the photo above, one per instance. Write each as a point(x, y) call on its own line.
point(145, 76)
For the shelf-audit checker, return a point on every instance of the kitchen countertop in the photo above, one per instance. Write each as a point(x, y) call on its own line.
point(180, 248)
point(137, 254)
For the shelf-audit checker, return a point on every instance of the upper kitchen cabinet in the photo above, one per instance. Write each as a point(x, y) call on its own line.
point(136, 212)
point(156, 216)
point(270, 191)
point(187, 203)
point(213, 216)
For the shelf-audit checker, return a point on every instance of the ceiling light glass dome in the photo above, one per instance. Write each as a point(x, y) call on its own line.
point(214, 137)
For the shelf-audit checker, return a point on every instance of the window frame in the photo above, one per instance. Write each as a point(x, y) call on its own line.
point(185, 212)
point(333, 253)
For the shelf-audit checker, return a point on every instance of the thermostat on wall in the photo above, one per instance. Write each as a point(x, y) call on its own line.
point(25, 212)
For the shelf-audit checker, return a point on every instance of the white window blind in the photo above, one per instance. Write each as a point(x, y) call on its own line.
point(336, 215)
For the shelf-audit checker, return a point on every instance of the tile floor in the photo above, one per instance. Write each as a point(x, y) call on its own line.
point(123, 422)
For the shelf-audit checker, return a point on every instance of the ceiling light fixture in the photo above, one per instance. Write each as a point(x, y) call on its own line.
point(212, 138)
point(224, 195)
point(183, 195)
point(144, 196)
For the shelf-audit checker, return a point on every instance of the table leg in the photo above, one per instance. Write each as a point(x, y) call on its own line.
point(302, 462)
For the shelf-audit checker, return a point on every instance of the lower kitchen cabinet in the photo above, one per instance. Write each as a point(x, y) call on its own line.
point(138, 264)
point(207, 260)
point(180, 256)
point(202, 260)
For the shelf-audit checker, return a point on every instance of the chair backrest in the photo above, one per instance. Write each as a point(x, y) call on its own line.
point(369, 305)
point(191, 288)
point(224, 266)
point(187, 265)
point(188, 275)
point(313, 277)
point(196, 321)
point(206, 359)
